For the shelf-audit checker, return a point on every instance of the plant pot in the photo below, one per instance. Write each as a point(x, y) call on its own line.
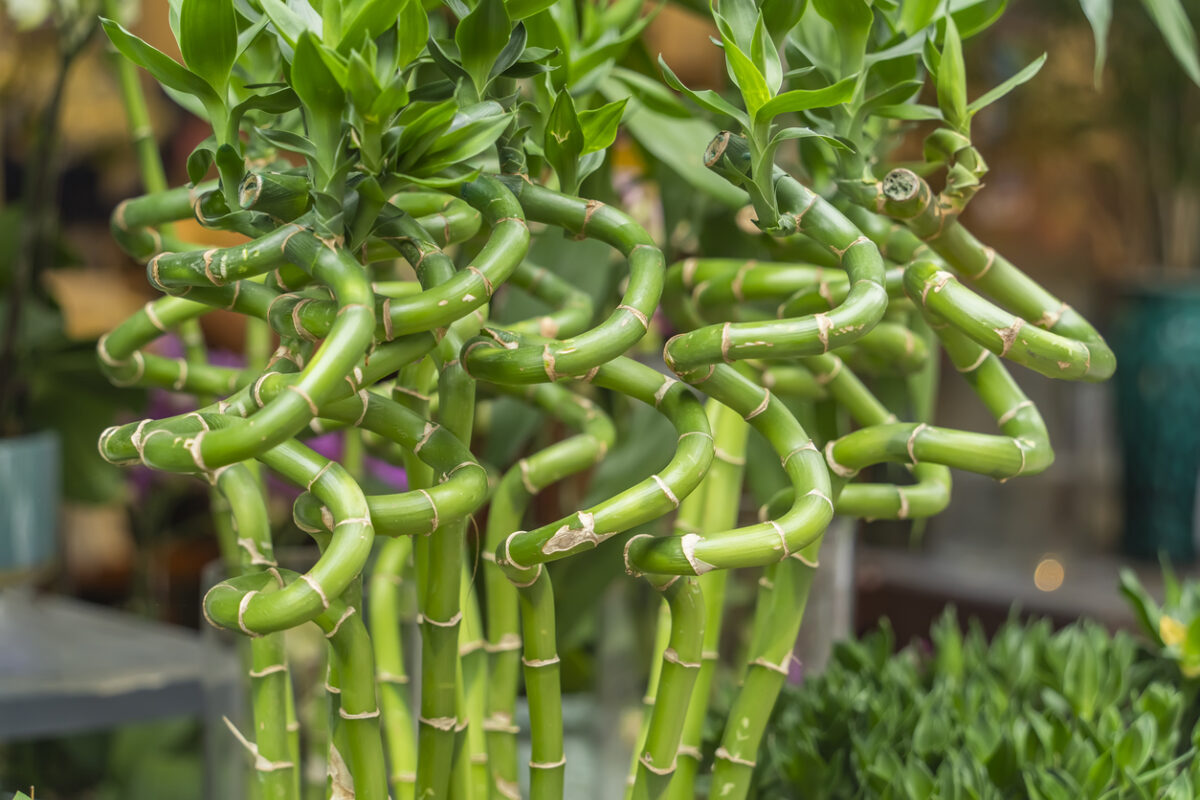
point(1157, 342)
point(29, 497)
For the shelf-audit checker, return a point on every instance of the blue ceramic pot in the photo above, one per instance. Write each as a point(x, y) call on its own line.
point(29, 497)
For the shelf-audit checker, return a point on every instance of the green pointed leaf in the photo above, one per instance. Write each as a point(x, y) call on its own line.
point(292, 18)
point(316, 86)
point(362, 84)
point(200, 160)
point(471, 131)
point(916, 14)
point(420, 124)
point(208, 40)
point(512, 51)
point(952, 79)
point(1099, 16)
point(371, 20)
point(1172, 590)
point(481, 36)
point(1173, 22)
point(563, 141)
point(520, 9)
point(286, 140)
point(278, 102)
point(799, 100)
point(911, 112)
point(650, 93)
point(1024, 76)
point(973, 17)
point(781, 16)
point(412, 27)
point(165, 69)
point(851, 21)
point(599, 125)
point(755, 92)
point(705, 98)
point(441, 52)
point(766, 57)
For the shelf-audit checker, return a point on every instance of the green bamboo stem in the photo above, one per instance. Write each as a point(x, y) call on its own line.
point(277, 775)
point(662, 640)
point(395, 701)
point(1055, 332)
point(505, 357)
point(473, 662)
point(648, 500)
point(722, 490)
point(508, 505)
point(540, 662)
point(439, 723)
point(681, 662)
point(768, 669)
point(810, 335)
point(688, 520)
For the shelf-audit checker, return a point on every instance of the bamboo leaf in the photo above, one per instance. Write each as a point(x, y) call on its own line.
point(799, 100)
point(952, 79)
point(520, 9)
point(278, 102)
point(362, 84)
point(208, 40)
point(599, 125)
point(915, 15)
point(1024, 76)
point(782, 15)
point(372, 19)
point(292, 18)
point(766, 57)
point(481, 37)
point(753, 85)
point(512, 51)
point(165, 69)
point(1099, 16)
point(563, 141)
point(412, 27)
point(705, 98)
point(911, 112)
point(316, 86)
point(650, 93)
point(1176, 28)
point(286, 140)
point(973, 17)
point(851, 21)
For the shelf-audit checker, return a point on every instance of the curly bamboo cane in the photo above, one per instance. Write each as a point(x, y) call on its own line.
point(276, 769)
point(722, 488)
point(509, 502)
point(1058, 341)
point(384, 625)
point(505, 357)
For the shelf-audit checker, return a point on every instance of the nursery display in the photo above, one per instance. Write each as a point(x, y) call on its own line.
point(390, 165)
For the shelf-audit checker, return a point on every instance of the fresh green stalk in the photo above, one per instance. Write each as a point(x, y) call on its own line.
point(768, 669)
point(508, 506)
point(391, 677)
point(722, 490)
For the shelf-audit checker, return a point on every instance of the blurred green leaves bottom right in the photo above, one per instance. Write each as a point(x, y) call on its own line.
point(1034, 713)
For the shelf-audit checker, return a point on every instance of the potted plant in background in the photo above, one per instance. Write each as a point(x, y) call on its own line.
point(38, 361)
point(1157, 323)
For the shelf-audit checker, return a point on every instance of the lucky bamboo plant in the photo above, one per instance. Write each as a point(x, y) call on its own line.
point(388, 163)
